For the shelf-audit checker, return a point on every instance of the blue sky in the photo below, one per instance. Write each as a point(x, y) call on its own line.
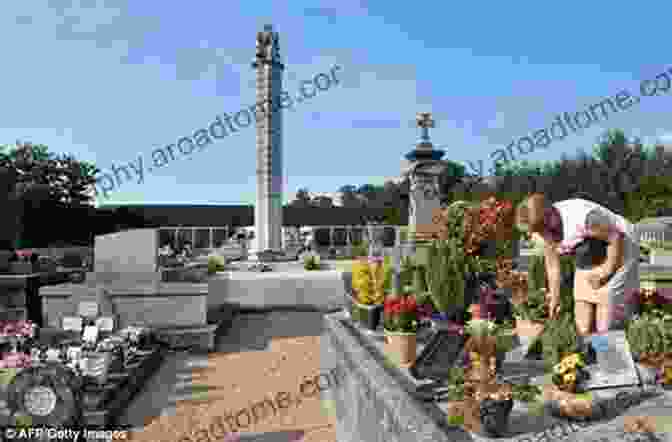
point(110, 80)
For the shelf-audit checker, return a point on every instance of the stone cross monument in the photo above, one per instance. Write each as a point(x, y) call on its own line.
point(268, 207)
point(423, 168)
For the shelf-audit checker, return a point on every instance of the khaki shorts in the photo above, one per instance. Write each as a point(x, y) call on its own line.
point(605, 302)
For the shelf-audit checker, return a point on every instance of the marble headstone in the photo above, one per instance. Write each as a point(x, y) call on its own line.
point(615, 366)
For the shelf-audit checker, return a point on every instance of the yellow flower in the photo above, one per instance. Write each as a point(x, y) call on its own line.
point(569, 378)
point(559, 368)
point(667, 375)
point(572, 360)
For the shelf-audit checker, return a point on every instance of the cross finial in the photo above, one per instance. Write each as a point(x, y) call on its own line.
point(424, 122)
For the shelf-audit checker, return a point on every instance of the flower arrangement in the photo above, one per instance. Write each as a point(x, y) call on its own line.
point(15, 360)
point(19, 329)
point(492, 219)
point(509, 278)
point(664, 375)
point(401, 314)
point(651, 301)
point(570, 373)
point(370, 278)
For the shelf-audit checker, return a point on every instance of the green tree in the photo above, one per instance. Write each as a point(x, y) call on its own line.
point(302, 199)
point(44, 179)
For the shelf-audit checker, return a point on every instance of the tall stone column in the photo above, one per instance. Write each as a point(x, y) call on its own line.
point(268, 207)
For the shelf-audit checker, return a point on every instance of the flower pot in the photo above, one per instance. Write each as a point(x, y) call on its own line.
point(368, 316)
point(475, 310)
point(567, 404)
point(529, 329)
point(519, 295)
point(495, 415)
point(401, 347)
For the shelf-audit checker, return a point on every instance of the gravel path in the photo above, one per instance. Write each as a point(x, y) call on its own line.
point(262, 355)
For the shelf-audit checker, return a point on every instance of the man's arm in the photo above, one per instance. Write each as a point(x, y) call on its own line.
point(599, 226)
point(553, 271)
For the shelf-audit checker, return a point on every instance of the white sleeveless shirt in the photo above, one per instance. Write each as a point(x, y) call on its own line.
point(574, 213)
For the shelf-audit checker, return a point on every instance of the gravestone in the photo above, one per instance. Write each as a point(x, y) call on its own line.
point(615, 366)
point(130, 251)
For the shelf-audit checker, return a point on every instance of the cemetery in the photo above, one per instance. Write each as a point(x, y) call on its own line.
point(445, 333)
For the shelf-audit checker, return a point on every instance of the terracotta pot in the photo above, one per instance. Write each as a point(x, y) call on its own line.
point(568, 404)
point(401, 347)
point(529, 329)
point(519, 295)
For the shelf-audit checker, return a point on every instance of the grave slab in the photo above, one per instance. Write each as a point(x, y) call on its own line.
point(615, 366)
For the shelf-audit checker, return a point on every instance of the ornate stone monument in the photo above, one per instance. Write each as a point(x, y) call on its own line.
point(268, 207)
point(423, 168)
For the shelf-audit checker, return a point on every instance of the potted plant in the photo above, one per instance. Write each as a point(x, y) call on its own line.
point(445, 280)
point(530, 316)
point(454, 396)
point(311, 261)
point(566, 394)
point(650, 340)
point(486, 346)
point(401, 325)
point(370, 279)
point(495, 402)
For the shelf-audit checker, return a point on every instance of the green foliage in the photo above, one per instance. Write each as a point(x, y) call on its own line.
point(445, 275)
point(537, 273)
point(455, 384)
point(650, 334)
point(311, 261)
point(525, 393)
point(46, 176)
point(559, 337)
point(534, 309)
point(360, 249)
point(216, 264)
point(657, 245)
point(406, 273)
